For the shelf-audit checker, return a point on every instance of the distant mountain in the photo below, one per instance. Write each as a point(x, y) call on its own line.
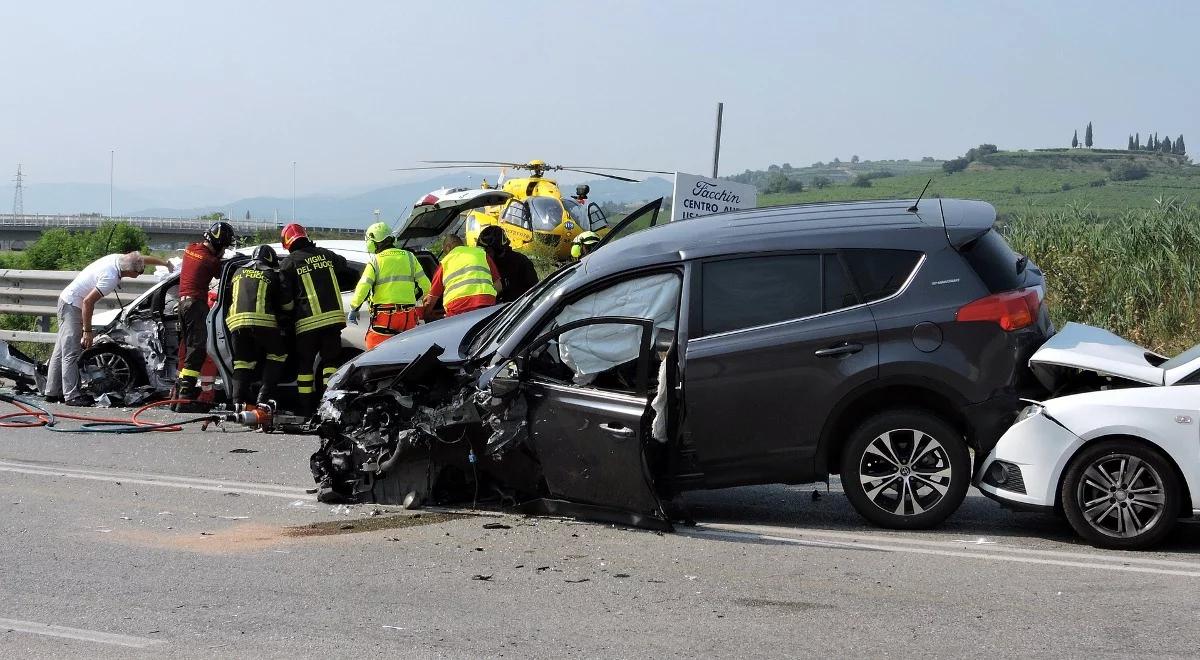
point(51, 198)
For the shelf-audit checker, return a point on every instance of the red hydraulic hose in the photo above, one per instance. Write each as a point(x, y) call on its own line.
point(34, 416)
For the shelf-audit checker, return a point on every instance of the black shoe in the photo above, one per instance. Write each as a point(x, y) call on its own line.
point(54, 398)
point(81, 401)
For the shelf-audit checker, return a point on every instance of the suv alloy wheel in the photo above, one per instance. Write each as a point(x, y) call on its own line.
point(905, 469)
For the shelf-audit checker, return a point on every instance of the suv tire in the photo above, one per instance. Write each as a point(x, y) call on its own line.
point(1143, 503)
point(906, 469)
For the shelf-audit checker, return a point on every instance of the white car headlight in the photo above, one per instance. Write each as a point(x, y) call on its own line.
point(1029, 411)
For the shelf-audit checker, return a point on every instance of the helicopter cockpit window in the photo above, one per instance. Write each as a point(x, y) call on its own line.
point(578, 213)
point(546, 213)
point(516, 214)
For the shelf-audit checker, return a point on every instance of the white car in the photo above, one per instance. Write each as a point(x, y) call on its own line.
point(1118, 452)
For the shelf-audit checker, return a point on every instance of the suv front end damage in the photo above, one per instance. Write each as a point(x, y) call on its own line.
point(421, 433)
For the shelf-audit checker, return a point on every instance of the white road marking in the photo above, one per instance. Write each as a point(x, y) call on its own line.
point(1126, 558)
point(169, 482)
point(35, 628)
point(117, 475)
point(898, 545)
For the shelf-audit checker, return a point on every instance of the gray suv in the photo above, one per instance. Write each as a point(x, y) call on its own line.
point(876, 340)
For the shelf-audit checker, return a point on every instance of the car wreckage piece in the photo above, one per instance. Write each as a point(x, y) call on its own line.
point(24, 371)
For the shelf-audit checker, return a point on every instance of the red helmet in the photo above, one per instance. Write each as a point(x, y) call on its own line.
point(290, 233)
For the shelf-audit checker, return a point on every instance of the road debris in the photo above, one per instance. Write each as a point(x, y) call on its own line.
point(482, 578)
point(242, 450)
point(496, 525)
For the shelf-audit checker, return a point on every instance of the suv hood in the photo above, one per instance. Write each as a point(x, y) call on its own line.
point(408, 346)
point(431, 218)
point(1084, 347)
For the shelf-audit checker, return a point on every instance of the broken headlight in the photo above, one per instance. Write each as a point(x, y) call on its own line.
point(1029, 411)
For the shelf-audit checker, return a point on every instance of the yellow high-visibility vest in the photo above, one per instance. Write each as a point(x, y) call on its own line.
point(465, 272)
point(391, 277)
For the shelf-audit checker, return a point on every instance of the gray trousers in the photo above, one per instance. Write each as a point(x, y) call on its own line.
point(63, 379)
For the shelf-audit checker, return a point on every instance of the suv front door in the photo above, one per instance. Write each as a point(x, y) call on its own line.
point(590, 434)
point(774, 342)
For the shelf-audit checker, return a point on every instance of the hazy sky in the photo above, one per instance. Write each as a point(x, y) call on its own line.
point(227, 94)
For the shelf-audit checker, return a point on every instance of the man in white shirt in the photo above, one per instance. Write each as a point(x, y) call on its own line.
point(75, 306)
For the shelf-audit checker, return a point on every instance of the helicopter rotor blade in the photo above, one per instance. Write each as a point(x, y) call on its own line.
point(607, 176)
point(441, 167)
point(479, 163)
point(613, 169)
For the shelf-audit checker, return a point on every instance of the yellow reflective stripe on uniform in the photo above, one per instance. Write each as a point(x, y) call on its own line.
point(310, 292)
point(305, 377)
point(303, 389)
point(275, 357)
point(250, 320)
point(260, 303)
point(465, 270)
point(320, 321)
point(242, 364)
point(189, 373)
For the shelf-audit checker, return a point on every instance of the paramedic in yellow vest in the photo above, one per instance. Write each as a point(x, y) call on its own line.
point(392, 281)
point(259, 299)
point(314, 274)
point(467, 279)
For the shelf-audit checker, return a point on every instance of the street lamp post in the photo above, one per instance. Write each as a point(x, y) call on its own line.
point(293, 192)
point(111, 161)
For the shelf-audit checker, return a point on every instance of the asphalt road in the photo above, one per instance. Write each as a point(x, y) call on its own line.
point(179, 545)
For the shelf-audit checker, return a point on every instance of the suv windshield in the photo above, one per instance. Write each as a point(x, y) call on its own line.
point(498, 328)
point(546, 212)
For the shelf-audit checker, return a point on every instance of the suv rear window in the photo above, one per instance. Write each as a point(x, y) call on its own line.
point(754, 291)
point(994, 262)
point(880, 273)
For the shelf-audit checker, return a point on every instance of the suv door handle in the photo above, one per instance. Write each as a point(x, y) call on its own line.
point(848, 348)
point(619, 431)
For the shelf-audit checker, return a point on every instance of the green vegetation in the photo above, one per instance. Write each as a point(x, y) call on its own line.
point(1137, 274)
point(1023, 182)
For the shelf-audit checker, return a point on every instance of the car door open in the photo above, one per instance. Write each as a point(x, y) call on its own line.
point(588, 386)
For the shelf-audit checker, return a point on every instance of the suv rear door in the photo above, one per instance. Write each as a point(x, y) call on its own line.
point(774, 342)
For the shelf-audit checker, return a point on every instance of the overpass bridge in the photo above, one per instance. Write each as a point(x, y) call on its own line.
point(20, 231)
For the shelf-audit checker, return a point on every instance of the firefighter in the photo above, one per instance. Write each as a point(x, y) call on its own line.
point(584, 244)
point(392, 280)
point(201, 263)
point(467, 278)
point(517, 273)
point(260, 298)
point(313, 273)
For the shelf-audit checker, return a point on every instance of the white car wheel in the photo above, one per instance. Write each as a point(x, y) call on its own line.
point(1121, 494)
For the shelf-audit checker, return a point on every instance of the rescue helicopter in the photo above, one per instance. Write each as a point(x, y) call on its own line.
point(535, 211)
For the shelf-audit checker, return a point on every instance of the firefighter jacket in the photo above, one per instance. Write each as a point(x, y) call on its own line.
point(391, 277)
point(259, 298)
point(311, 273)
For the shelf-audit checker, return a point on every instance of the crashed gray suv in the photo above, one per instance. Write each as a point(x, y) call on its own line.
point(878, 340)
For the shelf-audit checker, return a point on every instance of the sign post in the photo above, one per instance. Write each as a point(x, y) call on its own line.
point(696, 195)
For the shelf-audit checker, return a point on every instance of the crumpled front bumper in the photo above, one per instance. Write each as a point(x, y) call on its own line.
point(1032, 454)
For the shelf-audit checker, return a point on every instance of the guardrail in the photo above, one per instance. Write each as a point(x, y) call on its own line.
point(35, 293)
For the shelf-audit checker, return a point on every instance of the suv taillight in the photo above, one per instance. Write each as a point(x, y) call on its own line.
point(1011, 310)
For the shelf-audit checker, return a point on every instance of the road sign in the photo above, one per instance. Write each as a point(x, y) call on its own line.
point(695, 196)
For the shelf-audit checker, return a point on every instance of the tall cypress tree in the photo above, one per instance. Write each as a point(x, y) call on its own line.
point(1180, 147)
point(1166, 145)
point(1137, 140)
point(1130, 143)
point(1075, 139)
point(1087, 136)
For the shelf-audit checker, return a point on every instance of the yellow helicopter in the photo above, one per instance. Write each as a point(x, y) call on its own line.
point(536, 210)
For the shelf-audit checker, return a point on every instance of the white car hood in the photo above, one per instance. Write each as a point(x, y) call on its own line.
point(1081, 346)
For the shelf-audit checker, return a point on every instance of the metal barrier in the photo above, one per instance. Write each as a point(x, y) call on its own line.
point(35, 293)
